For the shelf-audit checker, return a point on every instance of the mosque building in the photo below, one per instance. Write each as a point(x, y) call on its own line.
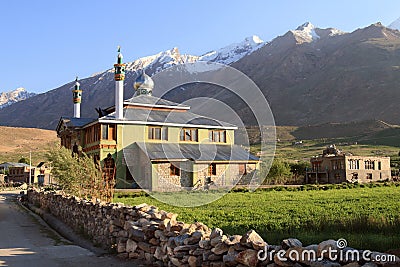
point(156, 144)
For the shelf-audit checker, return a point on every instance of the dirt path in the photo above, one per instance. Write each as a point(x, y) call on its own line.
point(28, 241)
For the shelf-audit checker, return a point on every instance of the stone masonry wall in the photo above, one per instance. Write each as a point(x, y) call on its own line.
point(156, 237)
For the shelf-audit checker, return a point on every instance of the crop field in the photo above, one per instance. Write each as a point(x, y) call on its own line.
point(367, 216)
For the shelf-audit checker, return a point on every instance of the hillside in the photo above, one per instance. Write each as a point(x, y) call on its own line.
point(17, 142)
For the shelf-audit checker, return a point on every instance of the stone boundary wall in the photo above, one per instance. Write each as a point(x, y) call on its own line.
point(155, 236)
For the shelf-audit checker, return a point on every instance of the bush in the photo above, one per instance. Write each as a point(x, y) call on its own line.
point(78, 175)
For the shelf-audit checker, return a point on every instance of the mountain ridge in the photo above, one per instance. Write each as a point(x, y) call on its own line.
point(335, 77)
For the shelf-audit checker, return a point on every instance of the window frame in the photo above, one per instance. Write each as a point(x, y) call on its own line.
point(212, 169)
point(174, 170)
point(189, 135)
point(153, 131)
point(217, 136)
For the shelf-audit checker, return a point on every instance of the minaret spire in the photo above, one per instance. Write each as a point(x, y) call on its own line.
point(77, 98)
point(119, 77)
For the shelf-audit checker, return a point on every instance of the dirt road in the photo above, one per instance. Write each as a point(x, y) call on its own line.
point(27, 241)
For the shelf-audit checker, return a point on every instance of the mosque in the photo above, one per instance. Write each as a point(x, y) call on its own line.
point(155, 144)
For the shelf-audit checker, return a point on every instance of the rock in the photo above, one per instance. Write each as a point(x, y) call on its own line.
point(229, 258)
point(205, 243)
point(184, 248)
point(216, 264)
point(159, 254)
point(324, 263)
point(232, 240)
point(291, 242)
point(219, 249)
point(192, 260)
point(370, 264)
point(218, 239)
point(352, 264)
point(121, 247)
point(179, 240)
point(325, 246)
point(216, 232)
point(145, 247)
point(149, 257)
point(130, 246)
point(247, 257)
point(214, 257)
point(252, 239)
point(194, 239)
point(282, 261)
point(175, 261)
point(136, 234)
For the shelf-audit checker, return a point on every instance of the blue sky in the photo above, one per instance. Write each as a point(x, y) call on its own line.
point(45, 44)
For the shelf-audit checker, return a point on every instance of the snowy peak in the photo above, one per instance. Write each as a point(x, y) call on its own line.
point(395, 25)
point(234, 52)
point(161, 60)
point(8, 98)
point(305, 33)
point(308, 33)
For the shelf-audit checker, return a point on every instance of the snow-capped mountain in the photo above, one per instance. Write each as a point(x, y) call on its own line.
point(395, 25)
point(303, 73)
point(308, 33)
point(162, 60)
point(234, 52)
point(19, 94)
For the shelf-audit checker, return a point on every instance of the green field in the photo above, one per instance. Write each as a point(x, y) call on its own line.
point(368, 216)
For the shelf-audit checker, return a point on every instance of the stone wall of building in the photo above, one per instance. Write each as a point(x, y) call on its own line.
point(156, 237)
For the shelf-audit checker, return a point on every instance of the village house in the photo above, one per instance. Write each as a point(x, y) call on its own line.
point(19, 173)
point(334, 166)
point(155, 144)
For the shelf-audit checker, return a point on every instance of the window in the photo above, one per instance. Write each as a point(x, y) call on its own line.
point(92, 134)
point(188, 134)
point(379, 165)
point(212, 169)
point(174, 170)
point(108, 132)
point(369, 164)
point(158, 133)
point(242, 169)
point(218, 136)
point(337, 165)
point(104, 131)
point(369, 176)
point(354, 164)
point(316, 166)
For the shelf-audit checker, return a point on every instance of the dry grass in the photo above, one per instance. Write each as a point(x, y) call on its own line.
point(17, 142)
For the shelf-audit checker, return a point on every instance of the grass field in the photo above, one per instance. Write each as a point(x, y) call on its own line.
point(369, 218)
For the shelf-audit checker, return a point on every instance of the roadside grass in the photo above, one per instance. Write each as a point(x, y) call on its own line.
point(368, 217)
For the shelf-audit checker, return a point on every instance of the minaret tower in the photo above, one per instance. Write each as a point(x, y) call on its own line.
point(119, 77)
point(77, 98)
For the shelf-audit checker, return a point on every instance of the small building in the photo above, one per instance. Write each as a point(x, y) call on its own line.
point(334, 166)
point(19, 173)
point(43, 173)
point(151, 143)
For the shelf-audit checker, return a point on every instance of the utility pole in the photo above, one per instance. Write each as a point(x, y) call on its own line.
point(30, 166)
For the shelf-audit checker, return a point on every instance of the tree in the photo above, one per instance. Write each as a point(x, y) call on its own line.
point(78, 175)
point(23, 160)
point(279, 173)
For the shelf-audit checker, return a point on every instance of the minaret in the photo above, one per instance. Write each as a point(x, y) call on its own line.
point(119, 77)
point(77, 98)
